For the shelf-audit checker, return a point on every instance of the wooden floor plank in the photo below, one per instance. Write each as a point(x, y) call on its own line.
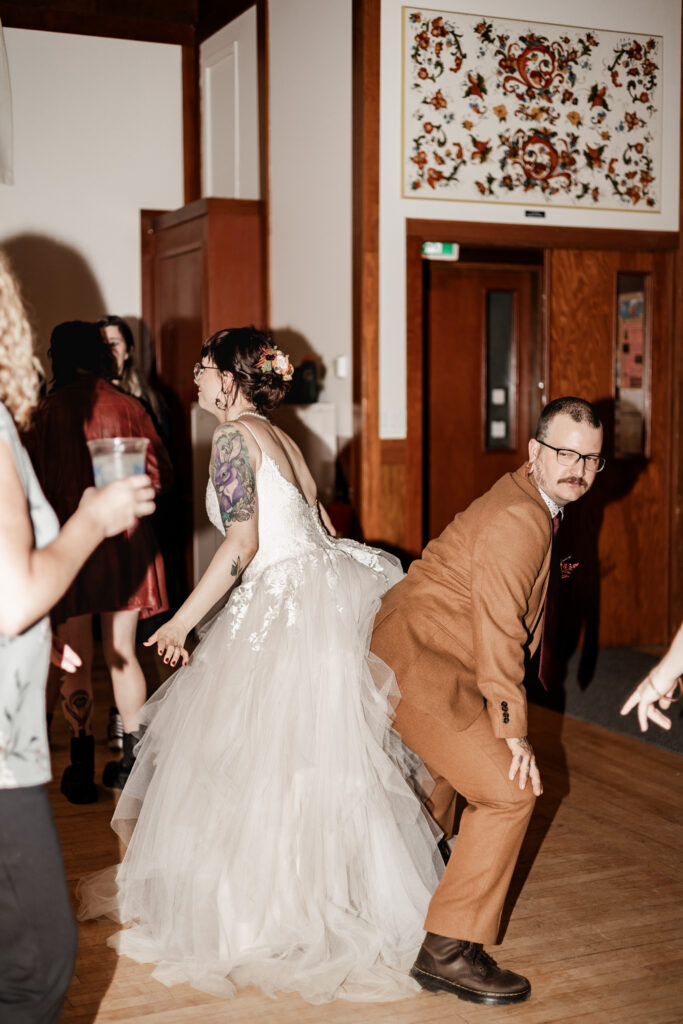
point(597, 924)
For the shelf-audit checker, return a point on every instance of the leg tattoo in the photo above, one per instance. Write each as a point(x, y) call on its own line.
point(77, 709)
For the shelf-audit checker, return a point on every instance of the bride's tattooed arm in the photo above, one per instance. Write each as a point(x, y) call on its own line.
point(232, 476)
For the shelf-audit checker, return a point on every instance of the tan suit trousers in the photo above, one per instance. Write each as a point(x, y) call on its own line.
point(468, 901)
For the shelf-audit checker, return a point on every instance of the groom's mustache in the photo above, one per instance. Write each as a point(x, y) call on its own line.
point(573, 480)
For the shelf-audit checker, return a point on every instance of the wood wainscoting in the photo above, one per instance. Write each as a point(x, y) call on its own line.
point(394, 491)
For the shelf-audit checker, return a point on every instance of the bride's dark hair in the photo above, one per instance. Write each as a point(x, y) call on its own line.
point(238, 350)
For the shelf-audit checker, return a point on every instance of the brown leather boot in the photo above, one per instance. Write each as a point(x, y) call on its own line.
point(465, 970)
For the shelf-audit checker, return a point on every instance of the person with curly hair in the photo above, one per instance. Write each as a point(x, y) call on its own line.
point(39, 561)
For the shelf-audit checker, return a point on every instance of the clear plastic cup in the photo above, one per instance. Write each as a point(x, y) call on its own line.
point(114, 458)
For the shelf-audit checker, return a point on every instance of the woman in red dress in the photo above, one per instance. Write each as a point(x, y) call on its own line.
point(124, 579)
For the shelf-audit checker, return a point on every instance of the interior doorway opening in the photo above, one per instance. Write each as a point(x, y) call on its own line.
point(484, 373)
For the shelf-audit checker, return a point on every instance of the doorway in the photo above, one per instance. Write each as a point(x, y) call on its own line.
point(483, 363)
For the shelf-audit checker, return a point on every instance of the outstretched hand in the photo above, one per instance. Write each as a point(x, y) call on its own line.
point(650, 701)
point(63, 656)
point(524, 763)
point(170, 641)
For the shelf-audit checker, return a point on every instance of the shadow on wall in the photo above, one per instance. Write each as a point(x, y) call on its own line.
point(311, 424)
point(581, 594)
point(298, 348)
point(56, 283)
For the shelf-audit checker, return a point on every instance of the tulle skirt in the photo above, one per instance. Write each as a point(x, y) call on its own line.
point(273, 839)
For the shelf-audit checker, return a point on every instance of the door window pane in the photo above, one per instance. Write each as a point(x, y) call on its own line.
point(631, 368)
point(500, 370)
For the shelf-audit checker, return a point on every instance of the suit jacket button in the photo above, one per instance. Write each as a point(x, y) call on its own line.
point(504, 705)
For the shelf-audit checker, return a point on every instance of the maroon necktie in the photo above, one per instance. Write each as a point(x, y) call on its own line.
point(546, 665)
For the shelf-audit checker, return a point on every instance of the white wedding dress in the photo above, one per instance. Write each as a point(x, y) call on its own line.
point(276, 842)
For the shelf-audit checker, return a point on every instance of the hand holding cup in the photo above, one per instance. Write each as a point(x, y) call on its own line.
point(119, 505)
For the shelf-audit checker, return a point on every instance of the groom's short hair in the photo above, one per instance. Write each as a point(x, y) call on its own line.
point(579, 409)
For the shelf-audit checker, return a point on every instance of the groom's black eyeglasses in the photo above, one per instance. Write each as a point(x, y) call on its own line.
point(566, 457)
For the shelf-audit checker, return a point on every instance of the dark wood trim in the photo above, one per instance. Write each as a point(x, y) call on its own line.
point(675, 602)
point(365, 467)
point(262, 51)
point(393, 451)
point(192, 146)
point(521, 236)
point(212, 205)
point(415, 395)
point(148, 325)
point(545, 285)
point(188, 24)
point(219, 14)
point(91, 23)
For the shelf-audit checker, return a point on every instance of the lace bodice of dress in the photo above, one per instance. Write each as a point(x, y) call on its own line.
point(288, 527)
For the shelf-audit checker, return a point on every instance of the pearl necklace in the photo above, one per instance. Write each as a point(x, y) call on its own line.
point(258, 415)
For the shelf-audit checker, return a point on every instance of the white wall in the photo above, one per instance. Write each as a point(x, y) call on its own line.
point(228, 64)
point(310, 185)
point(97, 137)
point(657, 17)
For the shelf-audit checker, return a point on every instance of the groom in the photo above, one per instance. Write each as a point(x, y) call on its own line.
point(458, 632)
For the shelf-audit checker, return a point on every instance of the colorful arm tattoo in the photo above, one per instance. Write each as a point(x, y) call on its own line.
point(233, 476)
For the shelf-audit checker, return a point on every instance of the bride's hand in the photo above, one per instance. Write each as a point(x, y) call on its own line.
point(170, 640)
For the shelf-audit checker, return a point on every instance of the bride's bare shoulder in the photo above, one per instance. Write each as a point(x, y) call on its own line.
point(231, 441)
point(298, 463)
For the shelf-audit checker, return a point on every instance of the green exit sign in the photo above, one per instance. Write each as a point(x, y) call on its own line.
point(440, 251)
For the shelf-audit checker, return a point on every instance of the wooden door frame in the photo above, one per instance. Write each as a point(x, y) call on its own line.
point(366, 448)
point(488, 236)
point(675, 595)
point(522, 280)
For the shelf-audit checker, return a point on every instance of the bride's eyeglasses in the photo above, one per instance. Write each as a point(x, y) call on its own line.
point(198, 370)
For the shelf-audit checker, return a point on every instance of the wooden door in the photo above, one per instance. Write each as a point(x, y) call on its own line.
point(481, 352)
point(622, 528)
point(178, 280)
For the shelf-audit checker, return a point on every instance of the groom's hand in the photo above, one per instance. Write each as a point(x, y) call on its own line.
point(524, 763)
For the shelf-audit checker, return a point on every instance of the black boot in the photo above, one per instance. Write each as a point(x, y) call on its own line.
point(465, 970)
point(78, 780)
point(115, 774)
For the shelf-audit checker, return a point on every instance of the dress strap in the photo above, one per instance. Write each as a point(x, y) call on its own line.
point(249, 431)
point(264, 455)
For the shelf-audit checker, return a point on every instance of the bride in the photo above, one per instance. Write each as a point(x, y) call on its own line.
point(272, 837)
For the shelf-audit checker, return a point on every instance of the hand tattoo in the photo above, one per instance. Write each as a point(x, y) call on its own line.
point(232, 476)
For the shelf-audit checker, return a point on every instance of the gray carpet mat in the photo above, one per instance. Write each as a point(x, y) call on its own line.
point(595, 694)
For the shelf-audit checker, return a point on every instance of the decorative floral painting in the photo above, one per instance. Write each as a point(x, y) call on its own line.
point(502, 111)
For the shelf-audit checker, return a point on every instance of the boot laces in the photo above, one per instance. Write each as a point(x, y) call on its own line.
point(480, 958)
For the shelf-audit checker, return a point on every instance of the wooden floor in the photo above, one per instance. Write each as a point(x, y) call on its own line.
point(595, 914)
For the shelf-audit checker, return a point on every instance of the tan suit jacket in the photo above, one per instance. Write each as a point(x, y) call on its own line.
point(460, 625)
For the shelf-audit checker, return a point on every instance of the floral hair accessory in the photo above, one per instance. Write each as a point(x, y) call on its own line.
point(273, 360)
